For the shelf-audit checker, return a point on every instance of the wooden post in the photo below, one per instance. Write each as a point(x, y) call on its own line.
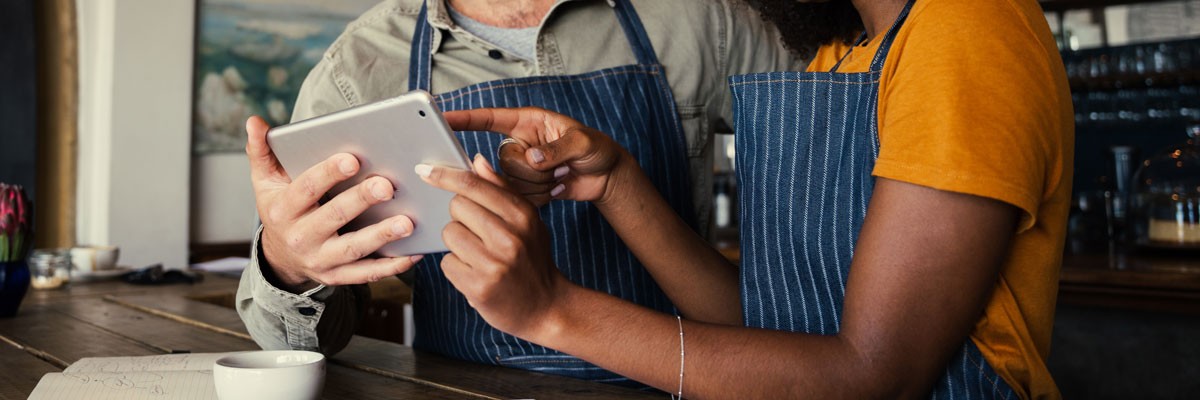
point(57, 121)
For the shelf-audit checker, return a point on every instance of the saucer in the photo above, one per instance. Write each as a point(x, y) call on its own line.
point(92, 276)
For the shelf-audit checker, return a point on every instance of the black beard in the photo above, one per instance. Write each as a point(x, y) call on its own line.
point(807, 26)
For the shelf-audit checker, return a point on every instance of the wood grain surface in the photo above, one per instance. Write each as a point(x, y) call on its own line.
point(109, 319)
point(21, 372)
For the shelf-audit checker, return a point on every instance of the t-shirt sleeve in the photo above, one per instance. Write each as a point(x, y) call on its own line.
point(972, 111)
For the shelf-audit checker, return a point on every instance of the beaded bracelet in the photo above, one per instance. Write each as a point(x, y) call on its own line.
point(679, 394)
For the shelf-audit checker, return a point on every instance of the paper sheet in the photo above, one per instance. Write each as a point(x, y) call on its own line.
point(174, 385)
point(164, 362)
point(168, 376)
point(228, 264)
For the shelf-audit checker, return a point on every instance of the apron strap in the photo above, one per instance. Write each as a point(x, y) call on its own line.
point(635, 32)
point(420, 61)
point(857, 42)
point(881, 55)
point(888, 38)
point(421, 55)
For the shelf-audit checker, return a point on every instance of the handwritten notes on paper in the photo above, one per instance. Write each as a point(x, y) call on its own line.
point(168, 376)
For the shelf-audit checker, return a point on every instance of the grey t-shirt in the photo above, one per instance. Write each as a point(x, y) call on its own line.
point(521, 42)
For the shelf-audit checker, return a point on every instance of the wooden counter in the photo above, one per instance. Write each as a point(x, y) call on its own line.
point(105, 319)
point(1131, 278)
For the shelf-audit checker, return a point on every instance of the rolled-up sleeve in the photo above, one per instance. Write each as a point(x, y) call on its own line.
point(322, 319)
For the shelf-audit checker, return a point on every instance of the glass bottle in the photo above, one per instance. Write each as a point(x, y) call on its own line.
point(1123, 161)
point(1167, 200)
point(49, 268)
point(722, 204)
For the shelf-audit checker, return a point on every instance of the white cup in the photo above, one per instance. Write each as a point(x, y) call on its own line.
point(270, 375)
point(94, 258)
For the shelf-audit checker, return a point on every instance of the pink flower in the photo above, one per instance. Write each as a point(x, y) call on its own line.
point(8, 225)
point(16, 222)
point(24, 211)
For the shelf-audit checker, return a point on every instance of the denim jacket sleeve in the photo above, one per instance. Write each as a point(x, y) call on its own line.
point(322, 319)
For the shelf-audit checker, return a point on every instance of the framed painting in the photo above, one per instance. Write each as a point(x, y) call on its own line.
point(251, 58)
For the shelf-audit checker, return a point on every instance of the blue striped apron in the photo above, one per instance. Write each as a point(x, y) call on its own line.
point(806, 146)
point(633, 104)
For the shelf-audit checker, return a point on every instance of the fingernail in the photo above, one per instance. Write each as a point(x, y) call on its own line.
point(347, 166)
point(380, 191)
point(423, 170)
point(416, 258)
point(561, 171)
point(537, 156)
point(557, 189)
point(400, 228)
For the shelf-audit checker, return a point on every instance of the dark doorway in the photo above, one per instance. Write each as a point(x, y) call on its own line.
point(18, 125)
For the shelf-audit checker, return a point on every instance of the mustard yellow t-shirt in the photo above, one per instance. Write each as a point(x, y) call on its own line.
point(974, 99)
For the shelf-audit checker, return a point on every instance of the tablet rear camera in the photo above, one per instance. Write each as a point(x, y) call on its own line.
point(421, 113)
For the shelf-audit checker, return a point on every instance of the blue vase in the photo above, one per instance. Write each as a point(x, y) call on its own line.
point(14, 281)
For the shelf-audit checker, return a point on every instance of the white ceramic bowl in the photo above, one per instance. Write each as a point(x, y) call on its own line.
point(94, 258)
point(270, 375)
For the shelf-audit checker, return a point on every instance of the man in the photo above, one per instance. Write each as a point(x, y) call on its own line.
point(658, 65)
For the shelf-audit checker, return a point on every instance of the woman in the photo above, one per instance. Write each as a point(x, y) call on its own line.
point(903, 213)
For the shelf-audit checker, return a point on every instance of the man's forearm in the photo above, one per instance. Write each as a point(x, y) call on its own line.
point(323, 320)
point(701, 282)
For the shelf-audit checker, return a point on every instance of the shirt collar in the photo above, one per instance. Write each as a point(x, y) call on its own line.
point(439, 16)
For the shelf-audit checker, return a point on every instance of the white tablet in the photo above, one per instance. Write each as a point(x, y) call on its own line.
point(389, 138)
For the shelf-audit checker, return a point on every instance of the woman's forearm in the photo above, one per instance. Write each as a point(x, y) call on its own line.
point(925, 264)
point(719, 361)
point(697, 278)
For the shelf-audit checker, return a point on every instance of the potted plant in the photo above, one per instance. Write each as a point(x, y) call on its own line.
point(16, 234)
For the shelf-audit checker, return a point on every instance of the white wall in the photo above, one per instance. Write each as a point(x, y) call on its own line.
point(222, 199)
point(135, 135)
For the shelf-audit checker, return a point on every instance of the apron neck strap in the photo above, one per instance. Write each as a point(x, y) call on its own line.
point(421, 56)
point(862, 37)
point(635, 32)
point(888, 38)
point(881, 55)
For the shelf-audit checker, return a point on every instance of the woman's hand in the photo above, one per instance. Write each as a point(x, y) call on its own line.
point(556, 157)
point(697, 278)
point(500, 258)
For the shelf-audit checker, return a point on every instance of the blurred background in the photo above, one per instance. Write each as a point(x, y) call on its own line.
point(124, 118)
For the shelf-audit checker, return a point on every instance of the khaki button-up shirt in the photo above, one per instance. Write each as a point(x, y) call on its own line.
point(699, 42)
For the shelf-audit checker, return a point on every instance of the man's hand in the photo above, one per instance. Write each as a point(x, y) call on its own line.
point(300, 236)
point(556, 157)
point(500, 258)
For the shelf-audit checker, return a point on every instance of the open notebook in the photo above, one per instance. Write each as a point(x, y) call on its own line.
point(168, 376)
